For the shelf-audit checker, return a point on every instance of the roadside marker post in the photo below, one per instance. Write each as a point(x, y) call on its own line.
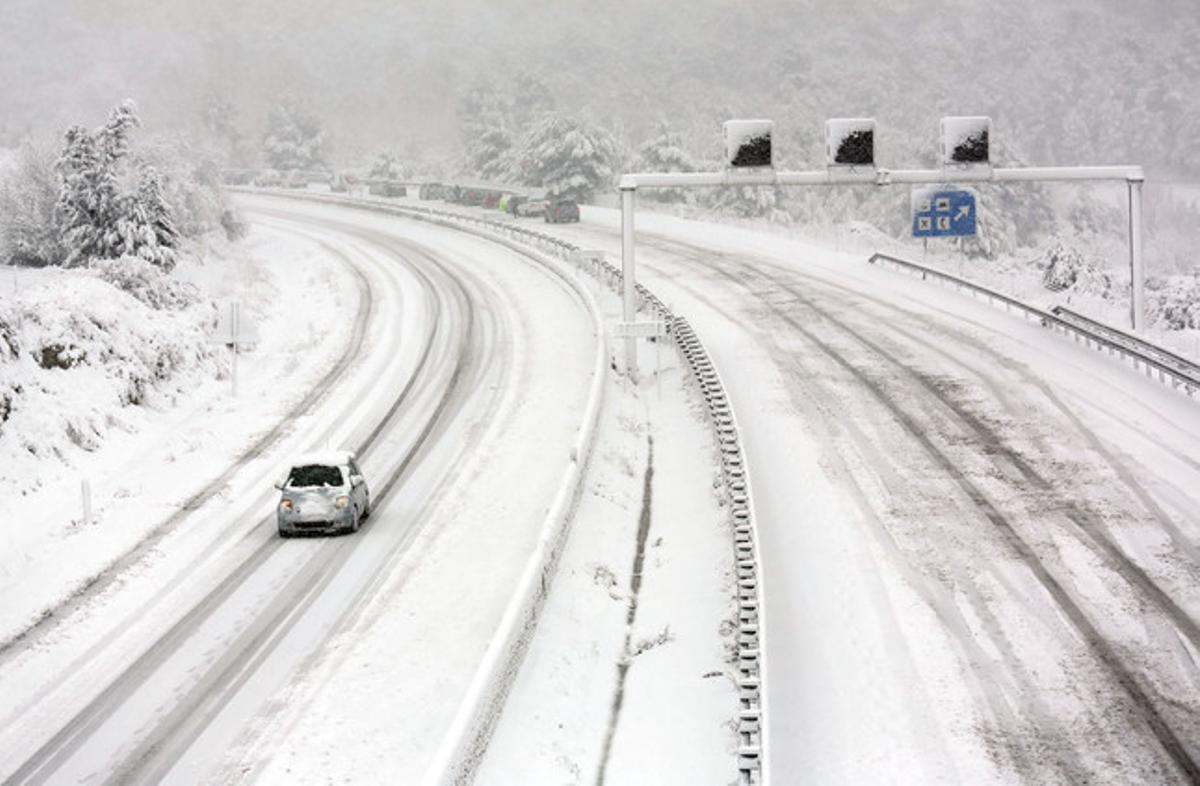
point(234, 329)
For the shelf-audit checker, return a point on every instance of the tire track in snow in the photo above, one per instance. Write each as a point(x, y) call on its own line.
point(1172, 744)
point(101, 581)
point(322, 563)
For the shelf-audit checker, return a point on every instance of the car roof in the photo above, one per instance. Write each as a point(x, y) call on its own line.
point(332, 458)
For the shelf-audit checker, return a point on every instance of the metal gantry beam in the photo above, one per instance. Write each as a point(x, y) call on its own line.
point(1133, 176)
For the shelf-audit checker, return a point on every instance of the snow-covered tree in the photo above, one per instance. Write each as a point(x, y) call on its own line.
point(569, 158)
point(531, 99)
point(487, 138)
point(219, 118)
point(29, 234)
point(89, 203)
point(387, 166)
point(295, 138)
point(748, 202)
point(665, 153)
point(98, 216)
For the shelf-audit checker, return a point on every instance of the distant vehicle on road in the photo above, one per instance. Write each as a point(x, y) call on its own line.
point(387, 188)
point(531, 207)
point(561, 211)
point(323, 493)
point(268, 178)
point(430, 191)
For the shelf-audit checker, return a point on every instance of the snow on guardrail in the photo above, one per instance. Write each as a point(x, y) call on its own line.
point(1156, 362)
point(464, 745)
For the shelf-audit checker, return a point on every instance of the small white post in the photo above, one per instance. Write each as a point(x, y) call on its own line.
point(629, 300)
point(1137, 271)
point(85, 488)
point(233, 329)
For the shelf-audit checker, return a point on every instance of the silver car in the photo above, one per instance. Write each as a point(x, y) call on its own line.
point(323, 493)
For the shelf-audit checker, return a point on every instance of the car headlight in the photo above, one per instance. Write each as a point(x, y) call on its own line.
point(285, 504)
point(341, 502)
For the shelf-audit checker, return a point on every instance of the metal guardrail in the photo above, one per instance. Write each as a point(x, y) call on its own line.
point(750, 662)
point(1154, 361)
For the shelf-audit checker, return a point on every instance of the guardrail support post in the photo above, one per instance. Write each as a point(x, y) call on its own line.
point(1137, 271)
point(629, 295)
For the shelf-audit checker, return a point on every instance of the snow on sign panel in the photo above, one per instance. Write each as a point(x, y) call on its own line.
point(965, 141)
point(941, 212)
point(748, 143)
point(850, 141)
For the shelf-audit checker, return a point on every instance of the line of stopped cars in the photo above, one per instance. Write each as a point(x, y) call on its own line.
point(553, 209)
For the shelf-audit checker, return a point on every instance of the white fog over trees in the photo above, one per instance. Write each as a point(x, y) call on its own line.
point(566, 97)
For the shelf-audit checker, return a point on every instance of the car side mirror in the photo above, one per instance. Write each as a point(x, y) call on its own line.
point(278, 484)
point(356, 480)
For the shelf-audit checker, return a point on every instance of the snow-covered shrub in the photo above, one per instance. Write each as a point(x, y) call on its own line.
point(29, 234)
point(77, 347)
point(568, 157)
point(146, 282)
point(1175, 305)
point(1066, 268)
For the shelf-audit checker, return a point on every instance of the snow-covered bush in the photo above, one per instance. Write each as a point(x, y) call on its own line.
point(1066, 268)
point(29, 234)
point(568, 157)
point(75, 346)
point(294, 138)
point(146, 282)
point(1175, 305)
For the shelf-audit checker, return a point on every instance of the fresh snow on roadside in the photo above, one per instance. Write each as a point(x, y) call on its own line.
point(142, 459)
point(679, 705)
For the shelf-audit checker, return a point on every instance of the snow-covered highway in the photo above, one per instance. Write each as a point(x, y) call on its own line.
point(980, 540)
point(462, 405)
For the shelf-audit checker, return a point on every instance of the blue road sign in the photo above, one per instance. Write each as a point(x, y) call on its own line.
point(942, 213)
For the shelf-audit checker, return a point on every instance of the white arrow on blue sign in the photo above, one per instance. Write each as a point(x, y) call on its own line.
point(942, 212)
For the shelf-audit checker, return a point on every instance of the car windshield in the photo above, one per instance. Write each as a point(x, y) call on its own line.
point(314, 475)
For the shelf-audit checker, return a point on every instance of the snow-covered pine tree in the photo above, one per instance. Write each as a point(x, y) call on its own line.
point(162, 238)
point(85, 197)
point(568, 157)
point(665, 153)
point(101, 220)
